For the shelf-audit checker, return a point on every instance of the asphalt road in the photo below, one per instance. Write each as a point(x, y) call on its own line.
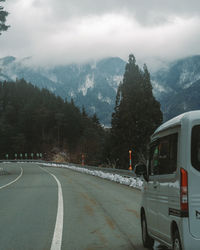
point(50, 208)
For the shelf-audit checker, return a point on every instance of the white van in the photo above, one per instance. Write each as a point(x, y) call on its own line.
point(170, 209)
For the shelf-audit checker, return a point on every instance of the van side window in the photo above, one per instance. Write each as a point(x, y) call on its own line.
point(163, 155)
point(168, 154)
point(195, 147)
point(153, 161)
point(173, 152)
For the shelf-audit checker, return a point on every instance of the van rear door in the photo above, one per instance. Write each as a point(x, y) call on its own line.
point(194, 183)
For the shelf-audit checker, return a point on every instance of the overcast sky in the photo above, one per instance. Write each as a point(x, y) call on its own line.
point(66, 31)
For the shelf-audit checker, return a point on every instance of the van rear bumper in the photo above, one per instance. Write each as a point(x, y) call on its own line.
point(188, 241)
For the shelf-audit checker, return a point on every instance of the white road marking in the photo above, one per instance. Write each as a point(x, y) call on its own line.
point(58, 230)
point(14, 179)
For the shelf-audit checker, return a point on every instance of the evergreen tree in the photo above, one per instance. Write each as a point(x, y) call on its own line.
point(3, 15)
point(95, 120)
point(137, 114)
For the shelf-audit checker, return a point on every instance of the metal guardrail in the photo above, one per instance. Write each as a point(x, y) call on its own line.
point(24, 160)
point(122, 172)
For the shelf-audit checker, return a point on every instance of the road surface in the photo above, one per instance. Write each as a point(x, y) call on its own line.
point(52, 208)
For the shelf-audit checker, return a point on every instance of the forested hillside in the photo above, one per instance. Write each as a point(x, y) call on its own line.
point(34, 120)
point(91, 84)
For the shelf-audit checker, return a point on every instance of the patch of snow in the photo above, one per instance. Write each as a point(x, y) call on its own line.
point(72, 94)
point(10, 71)
point(89, 83)
point(187, 78)
point(159, 88)
point(132, 181)
point(100, 97)
point(52, 89)
point(104, 99)
point(187, 85)
point(117, 79)
point(52, 77)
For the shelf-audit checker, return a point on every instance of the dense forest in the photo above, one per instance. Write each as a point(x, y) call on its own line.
point(36, 121)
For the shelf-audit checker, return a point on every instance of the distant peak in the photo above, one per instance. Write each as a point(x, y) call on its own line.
point(7, 60)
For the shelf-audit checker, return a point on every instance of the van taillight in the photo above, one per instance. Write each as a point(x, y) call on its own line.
point(184, 190)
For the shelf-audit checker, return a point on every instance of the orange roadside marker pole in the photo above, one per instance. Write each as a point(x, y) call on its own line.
point(130, 160)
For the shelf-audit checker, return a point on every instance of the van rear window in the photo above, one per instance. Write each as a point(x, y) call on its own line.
point(195, 147)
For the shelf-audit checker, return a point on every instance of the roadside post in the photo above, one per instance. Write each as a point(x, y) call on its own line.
point(130, 160)
point(21, 156)
point(26, 155)
point(83, 160)
point(32, 154)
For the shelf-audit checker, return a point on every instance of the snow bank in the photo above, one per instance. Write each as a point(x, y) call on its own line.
point(129, 181)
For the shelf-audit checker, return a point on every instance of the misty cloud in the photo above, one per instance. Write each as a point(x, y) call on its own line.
point(59, 32)
point(144, 11)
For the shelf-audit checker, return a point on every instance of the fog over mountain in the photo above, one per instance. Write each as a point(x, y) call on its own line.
point(94, 85)
point(177, 86)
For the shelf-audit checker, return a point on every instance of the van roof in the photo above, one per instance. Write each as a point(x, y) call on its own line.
point(176, 121)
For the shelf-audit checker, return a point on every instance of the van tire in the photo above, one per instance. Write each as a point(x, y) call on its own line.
point(148, 242)
point(177, 241)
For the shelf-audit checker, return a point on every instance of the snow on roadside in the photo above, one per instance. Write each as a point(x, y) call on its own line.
point(129, 181)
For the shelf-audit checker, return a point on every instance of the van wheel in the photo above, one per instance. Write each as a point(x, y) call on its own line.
point(176, 241)
point(148, 242)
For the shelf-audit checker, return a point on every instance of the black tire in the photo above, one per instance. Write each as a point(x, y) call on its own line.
point(148, 242)
point(177, 241)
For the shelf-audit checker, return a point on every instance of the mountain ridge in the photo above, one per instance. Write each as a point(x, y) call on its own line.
point(94, 85)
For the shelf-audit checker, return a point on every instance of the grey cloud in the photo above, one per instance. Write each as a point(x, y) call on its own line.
point(147, 12)
point(65, 31)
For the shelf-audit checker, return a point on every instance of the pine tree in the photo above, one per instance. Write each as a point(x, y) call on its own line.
point(136, 114)
point(3, 15)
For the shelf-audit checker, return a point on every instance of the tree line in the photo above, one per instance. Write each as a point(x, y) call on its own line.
point(34, 120)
